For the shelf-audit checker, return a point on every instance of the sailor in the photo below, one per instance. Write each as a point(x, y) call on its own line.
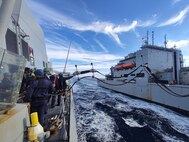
point(54, 80)
point(30, 79)
point(38, 94)
point(25, 76)
point(47, 73)
point(61, 83)
point(62, 86)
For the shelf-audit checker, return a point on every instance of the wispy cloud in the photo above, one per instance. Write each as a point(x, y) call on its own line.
point(97, 65)
point(76, 54)
point(57, 51)
point(86, 9)
point(177, 19)
point(177, 44)
point(175, 1)
point(84, 39)
point(98, 26)
point(101, 45)
point(148, 23)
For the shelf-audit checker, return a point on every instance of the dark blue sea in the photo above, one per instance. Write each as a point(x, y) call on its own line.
point(106, 116)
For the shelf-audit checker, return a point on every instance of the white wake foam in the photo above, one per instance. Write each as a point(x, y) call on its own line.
point(99, 125)
point(132, 123)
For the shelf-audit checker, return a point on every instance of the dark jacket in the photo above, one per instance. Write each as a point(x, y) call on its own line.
point(54, 80)
point(62, 81)
point(39, 90)
point(29, 81)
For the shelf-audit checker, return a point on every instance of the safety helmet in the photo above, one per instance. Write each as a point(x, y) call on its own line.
point(60, 74)
point(46, 70)
point(32, 74)
point(39, 72)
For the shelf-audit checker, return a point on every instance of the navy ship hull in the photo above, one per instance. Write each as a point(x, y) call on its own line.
point(154, 74)
point(152, 93)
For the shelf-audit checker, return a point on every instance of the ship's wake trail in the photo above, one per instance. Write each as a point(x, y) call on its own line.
point(106, 116)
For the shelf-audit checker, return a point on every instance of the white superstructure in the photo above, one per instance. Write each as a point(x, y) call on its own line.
point(154, 74)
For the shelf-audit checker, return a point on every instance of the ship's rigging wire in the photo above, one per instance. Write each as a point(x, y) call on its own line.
point(161, 85)
point(157, 81)
point(100, 81)
point(1, 63)
point(85, 64)
point(125, 82)
point(78, 81)
point(120, 76)
point(146, 68)
point(67, 58)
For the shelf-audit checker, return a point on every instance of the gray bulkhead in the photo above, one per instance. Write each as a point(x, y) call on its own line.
point(28, 35)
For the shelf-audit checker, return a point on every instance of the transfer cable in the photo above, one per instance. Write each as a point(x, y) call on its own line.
point(120, 76)
point(101, 81)
point(147, 69)
point(157, 81)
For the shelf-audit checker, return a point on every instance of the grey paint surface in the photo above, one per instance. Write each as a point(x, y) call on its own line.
point(152, 92)
point(167, 63)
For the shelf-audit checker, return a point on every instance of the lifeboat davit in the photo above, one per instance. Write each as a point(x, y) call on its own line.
point(124, 66)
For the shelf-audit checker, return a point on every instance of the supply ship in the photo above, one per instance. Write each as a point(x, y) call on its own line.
point(22, 47)
point(153, 73)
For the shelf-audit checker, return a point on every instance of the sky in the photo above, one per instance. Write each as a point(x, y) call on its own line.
point(104, 31)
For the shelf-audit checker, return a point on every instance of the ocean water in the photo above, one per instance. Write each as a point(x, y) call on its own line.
point(106, 116)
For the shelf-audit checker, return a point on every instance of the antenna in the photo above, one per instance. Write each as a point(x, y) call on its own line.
point(147, 38)
point(152, 37)
point(174, 46)
point(165, 41)
point(92, 70)
point(67, 58)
